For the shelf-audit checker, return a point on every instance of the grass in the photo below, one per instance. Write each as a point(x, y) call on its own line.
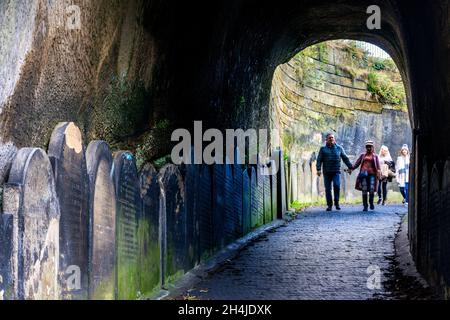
point(299, 206)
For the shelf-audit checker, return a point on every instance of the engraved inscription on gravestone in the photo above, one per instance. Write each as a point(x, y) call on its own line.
point(31, 199)
point(128, 212)
point(102, 223)
point(67, 156)
point(148, 230)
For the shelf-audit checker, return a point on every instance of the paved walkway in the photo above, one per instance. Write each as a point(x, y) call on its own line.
point(319, 255)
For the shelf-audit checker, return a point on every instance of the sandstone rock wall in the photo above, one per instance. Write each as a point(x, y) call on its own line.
point(60, 59)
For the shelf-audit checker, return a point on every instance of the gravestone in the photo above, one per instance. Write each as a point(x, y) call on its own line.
point(253, 199)
point(218, 206)
point(294, 181)
point(192, 175)
point(31, 199)
point(267, 200)
point(308, 181)
point(128, 212)
point(204, 211)
point(6, 256)
point(237, 199)
point(260, 195)
point(102, 239)
point(423, 219)
point(435, 211)
point(445, 223)
point(173, 223)
point(300, 187)
point(301, 180)
point(273, 194)
point(66, 153)
point(246, 202)
point(230, 219)
point(281, 183)
point(148, 231)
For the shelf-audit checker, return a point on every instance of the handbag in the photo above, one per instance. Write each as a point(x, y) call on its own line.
point(385, 172)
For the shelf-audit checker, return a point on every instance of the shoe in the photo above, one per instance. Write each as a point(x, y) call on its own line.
point(365, 202)
point(338, 208)
point(379, 201)
point(365, 209)
point(329, 208)
point(403, 201)
point(372, 207)
point(384, 203)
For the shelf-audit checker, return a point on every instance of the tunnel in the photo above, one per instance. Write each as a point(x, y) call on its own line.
point(244, 43)
point(214, 61)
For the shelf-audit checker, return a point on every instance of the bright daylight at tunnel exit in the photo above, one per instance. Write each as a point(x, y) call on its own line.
point(199, 153)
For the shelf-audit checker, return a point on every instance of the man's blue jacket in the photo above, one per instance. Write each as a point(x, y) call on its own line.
point(330, 157)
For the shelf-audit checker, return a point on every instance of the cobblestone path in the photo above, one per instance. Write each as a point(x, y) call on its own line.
point(319, 255)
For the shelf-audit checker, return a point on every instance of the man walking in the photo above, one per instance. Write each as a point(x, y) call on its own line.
point(330, 157)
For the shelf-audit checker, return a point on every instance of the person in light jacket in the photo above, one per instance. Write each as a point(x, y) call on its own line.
point(369, 175)
point(387, 162)
point(402, 175)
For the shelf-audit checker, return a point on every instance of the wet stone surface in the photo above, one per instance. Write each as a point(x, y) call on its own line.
point(319, 255)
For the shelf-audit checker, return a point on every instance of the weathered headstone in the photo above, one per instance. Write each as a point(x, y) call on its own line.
point(6, 256)
point(230, 218)
point(204, 211)
point(173, 223)
point(294, 181)
point(273, 194)
point(434, 223)
point(218, 206)
point(281, 183)
point(445, 223)
point(308, 181)
point(30, 197)
point(246, 202)
point(148, 231)
point(192, 175)
point(254, 214)
point(267, 200)
point(237, 199)
point(102, 240)
point(423, 218)
point(66, 153)
point(260, 194)
point(128, 212)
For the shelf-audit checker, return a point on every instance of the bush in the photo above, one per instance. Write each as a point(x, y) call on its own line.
point(385, 89)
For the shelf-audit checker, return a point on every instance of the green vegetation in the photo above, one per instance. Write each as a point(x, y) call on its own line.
point(306, 69)
point(154, 142)
point(149, 259)
point(124, 111)
point(386, 90)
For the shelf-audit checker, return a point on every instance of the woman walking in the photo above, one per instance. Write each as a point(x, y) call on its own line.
point(387, 174)
point(367, 180)
point(403, 172)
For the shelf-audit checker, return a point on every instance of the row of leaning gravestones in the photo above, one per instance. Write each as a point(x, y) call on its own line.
point(82, 224)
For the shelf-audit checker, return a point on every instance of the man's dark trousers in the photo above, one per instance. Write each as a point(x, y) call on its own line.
point(334, 178)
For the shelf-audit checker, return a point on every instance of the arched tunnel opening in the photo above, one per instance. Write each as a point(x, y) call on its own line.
point(82, 83)
point(352, 90)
